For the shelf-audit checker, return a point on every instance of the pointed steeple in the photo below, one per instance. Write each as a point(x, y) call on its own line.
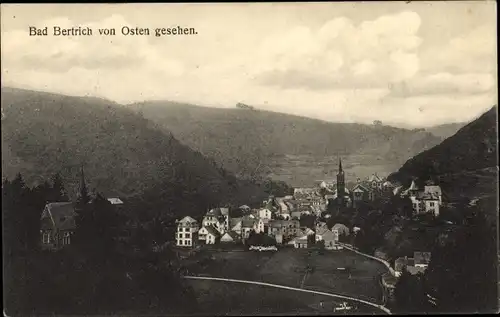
point(83, 195)
point(340, 165)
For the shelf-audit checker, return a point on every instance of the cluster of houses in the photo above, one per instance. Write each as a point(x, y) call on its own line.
point(218, 227)
point(417, 264)
point(279, 217)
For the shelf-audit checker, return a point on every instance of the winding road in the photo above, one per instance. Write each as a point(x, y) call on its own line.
point(384, 309)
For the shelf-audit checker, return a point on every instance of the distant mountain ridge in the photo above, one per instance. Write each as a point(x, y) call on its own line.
point(446, 130)
point(124, 154)
point(243, 141)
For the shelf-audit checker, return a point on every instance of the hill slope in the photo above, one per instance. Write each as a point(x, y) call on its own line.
point(253, 143)
point(123, 154)
point(465, 163)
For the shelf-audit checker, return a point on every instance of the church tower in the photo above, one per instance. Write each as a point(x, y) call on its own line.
point(83, 195)
point(340, 185)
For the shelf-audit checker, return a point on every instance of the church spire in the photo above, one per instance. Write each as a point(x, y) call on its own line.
point(83, 195)
point(340, 165)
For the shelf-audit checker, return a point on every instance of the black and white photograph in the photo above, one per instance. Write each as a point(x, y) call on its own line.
point(250, 159)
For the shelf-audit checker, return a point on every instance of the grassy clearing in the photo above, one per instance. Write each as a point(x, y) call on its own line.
point(289, 266)
point(226, 298)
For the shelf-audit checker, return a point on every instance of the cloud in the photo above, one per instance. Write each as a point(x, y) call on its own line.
point(340, 68)
point(444, 84)
point(61, 53)
point(474, 51)
point(340, 54)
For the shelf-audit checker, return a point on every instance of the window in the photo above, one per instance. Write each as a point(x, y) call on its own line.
point(66, 238)
point(46, 237)
point(181, 235)
point(187, 235)
point(188, 242)
point(431, 204)
point(414, 206)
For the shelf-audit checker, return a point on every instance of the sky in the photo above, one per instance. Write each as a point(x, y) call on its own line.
point(414, 64)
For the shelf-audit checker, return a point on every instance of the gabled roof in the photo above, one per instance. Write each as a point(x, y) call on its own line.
point(115, 201)
point(187, 219)
point(233, 235)
point(413, 186)
point(61, 214)
point(218, 212)
point(234, 221)
point(360, 187)
point(374, 178)
point(422, 257)
point(247, 222)
point(325, 233)
point(211, 230)
point(433, 189)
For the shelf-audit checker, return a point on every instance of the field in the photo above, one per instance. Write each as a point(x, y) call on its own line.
point(234, 299)
point(298, 268)
point(305, 170)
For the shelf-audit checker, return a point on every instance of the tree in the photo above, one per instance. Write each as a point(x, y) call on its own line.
point(409, 294)
point(58, 192)
point(466, 283)
point(377, 122)
point(96, 228)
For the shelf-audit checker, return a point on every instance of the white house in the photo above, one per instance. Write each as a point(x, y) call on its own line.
point(327, 236)
point(265, 213)
point(427, 201)
point(261, 224)
point(187, 232)
point(218, 218)
point(211, 234)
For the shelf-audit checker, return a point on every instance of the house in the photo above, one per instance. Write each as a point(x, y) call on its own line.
point(235, 225)
point(247, 225)
point(187, 232)
point(115, 201)
point(434, 190)
point(208, 234)
point(321, 225)
point(362, 193)
point(425, 203)
point(261, 225)
point(415, 265)
point(212, 235)
point(57, 225)
point(218, 218)
point(375, 181)
point(303, 193)
point(265, 213)
point(300, 242)
point(230, 236)
point(327, 236)
point(422, 259)
point(286, 227)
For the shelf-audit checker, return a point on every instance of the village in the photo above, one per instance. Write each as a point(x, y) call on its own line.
point(279, 221)
point(304, 220)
